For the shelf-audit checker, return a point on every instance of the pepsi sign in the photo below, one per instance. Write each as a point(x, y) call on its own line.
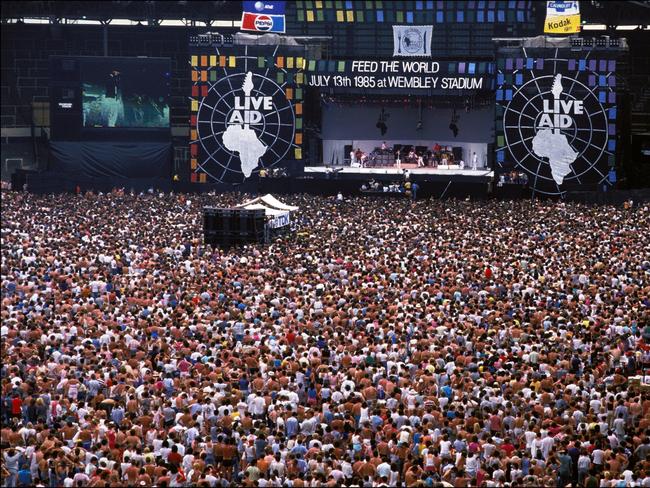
point(262, 23)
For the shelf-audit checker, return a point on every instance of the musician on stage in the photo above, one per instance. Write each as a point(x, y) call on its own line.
point(398, 158)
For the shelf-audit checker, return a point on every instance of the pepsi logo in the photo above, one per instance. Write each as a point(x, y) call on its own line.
point(263, 23)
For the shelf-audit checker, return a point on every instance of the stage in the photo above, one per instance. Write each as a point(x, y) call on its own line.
point(450, 170)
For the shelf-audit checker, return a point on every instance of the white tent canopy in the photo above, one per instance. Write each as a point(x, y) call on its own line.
point(277, 213)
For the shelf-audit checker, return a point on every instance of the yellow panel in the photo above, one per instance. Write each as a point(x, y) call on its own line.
point(194, 60)
point(310, 15)
point(193, 163)
point(232, 61)
point(213, 60)
point(319, 3)
point(290, 63)
point(350, 15)
point(300, 78)
point(299, 63)
point(298, 153)
point(202, 177)
point(339, 15)
point(195, 106)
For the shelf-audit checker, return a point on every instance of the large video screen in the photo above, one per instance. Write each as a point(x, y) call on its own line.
point(125, 92)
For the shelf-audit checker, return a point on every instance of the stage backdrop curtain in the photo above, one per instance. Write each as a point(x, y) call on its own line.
point(112, 159)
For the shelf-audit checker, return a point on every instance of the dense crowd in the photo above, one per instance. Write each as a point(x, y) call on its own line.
point(382, 343)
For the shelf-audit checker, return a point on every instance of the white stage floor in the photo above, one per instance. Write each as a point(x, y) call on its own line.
point(453, 170)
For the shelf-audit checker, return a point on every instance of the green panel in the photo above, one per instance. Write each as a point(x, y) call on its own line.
point(379, 4)
point(341, 66)
point(299, 93)
point(312, 65)
point(359, 16)
point(280, 77)
point(309, 4)
point(510, 15)
point(501, 63)
point(213, 76)
point(300, 15)
point(369, 5)
point(320, 16)
point(328, 3)
point(452, 67)
point(501, 141)
point(400, 17)
point(298, 122)
point(260, 62)
point(299, 4)
point(338, 4)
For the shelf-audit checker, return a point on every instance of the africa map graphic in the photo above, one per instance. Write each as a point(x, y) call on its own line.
point(243, 140)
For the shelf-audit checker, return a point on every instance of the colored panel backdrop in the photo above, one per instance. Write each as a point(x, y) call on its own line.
point(246, 110)
point(556, 117)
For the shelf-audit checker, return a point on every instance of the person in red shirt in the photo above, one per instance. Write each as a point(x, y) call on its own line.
point(174, 457)
point(16, 406)
point(488, 273)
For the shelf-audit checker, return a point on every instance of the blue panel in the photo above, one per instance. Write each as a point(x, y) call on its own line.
point(322, 65)
point(380, 15)
point(602, 97)
point(501, 16)
point(519, 79)
point(582, 64)
point(429, 4)
point(409, 17)
point(461, 68)
point(511, 4)
point(331, 66)
point(490, 15)
point(500, 78)
point(602, 80)
point(591, 80)
point(460, 16)
point(572, 64)
point(471, 68)
point(480, 16)
point(501, 156)
point(499, 95)
point(529, 63)
point(440, 18)
point(521, 17)
point(612, 97)
point(612, 113)
point(418, 5)
point(611, 145)
point(348, 5)
point(508, 95)
point(611, 66)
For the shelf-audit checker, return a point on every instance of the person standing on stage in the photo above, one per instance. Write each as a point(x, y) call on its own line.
point(398, 159)
point(475, 161)
point(352, 158)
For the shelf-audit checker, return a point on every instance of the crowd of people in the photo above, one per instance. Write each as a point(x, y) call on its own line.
point(383, 343)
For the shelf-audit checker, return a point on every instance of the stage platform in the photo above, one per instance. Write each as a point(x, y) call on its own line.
point(451, 170)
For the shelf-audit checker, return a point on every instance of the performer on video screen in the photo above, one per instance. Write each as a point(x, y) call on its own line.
point(113, 84)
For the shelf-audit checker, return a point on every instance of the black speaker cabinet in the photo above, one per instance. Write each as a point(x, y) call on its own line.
point(458, 153)
point(230, 226)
